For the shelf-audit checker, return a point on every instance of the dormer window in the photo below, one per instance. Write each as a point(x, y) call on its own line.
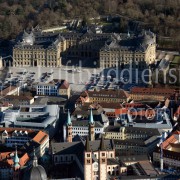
point(5, 133)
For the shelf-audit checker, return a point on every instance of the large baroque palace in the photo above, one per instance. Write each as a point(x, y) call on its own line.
point(37, 48)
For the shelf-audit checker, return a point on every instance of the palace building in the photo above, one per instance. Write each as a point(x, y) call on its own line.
point(38, 48)
point(129, 49)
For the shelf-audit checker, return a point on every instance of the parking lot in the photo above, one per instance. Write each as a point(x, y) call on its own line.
point(79, 79)
point(76, 78)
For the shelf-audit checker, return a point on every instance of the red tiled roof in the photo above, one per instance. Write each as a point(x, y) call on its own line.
point(24, 159)
point(160, 91)
point(4, 155)
point(40, 137)
point(177, 112)
point(11, 130)
point(64, 84)
point(146, 113)
point(8, 89)
point(21, 97)
point(121, 111)
point(110, 114)
point(133, 105)
point(176, 132)
point(171, 139)
point(107, 94)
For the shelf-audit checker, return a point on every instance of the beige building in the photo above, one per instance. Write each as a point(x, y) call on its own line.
point(139, 51)
point(10, 90)
point(102, 96)
point(1, 63)
point(123, 133)
point(38, 48)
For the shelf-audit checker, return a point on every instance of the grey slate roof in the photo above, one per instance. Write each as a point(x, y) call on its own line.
point(129, 142)
point(85, 123)
point(79, 147)
point(112, 161)
point(133, 130)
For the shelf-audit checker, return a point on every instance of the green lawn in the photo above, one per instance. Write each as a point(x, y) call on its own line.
point(176, 60)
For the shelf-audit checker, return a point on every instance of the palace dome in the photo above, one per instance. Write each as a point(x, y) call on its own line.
point(28, 39)
point(35, 172)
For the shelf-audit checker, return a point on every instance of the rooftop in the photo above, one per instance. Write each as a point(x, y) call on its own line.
point(85, 123)
point(159, 91)
point(108, 94)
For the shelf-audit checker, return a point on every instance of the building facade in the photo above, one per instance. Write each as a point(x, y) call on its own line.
point(124, 133)
point(169, 156)
point(38, 48)
point(139, 51)
point(18, 100)
point(37, 117)
point(104, 96)
point(54, 88)
point(95, 159)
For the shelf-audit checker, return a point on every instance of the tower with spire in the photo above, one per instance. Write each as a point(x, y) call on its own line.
point(91, 127)
point(88, 169)
point(69, 128)
point(102, 160)
point(35, 159)
point(16, 166)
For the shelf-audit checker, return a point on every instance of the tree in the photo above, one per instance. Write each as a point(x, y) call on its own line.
point(85, 21)
point(19, 11)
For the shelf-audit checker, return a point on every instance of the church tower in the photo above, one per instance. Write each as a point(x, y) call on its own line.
point(102, 160)
point(91, 127)
point(88, 171)
point(69, 128)
point(16, 167)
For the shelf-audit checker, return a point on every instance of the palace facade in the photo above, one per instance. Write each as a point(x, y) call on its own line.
point(38, 48)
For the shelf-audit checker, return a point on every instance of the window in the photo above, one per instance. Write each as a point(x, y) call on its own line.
point(103, 154)
point(88, 155)
point(103, 160)
point(88, 161)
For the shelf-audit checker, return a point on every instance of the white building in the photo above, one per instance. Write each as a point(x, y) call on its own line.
point(11, 137)
point(37, 117)
point(47, 89)
point(56, 87)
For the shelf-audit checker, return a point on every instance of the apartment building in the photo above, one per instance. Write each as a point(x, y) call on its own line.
point(54, 88)
point(170, 152)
